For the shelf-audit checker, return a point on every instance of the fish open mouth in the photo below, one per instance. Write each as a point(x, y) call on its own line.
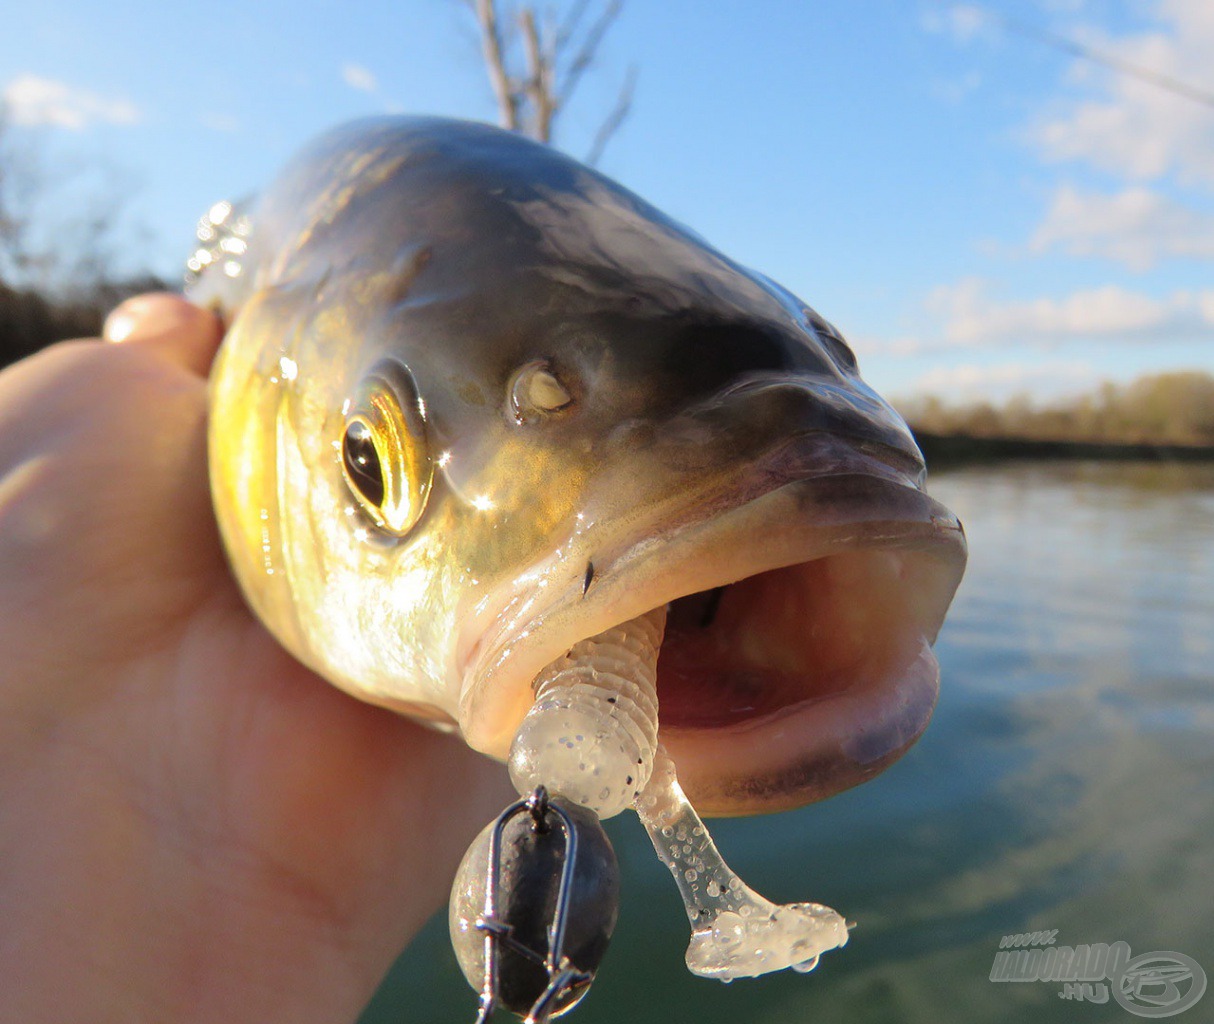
point(797, 655)
point(792, 684)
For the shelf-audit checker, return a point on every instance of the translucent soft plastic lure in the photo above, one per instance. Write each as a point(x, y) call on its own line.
point(591, 738)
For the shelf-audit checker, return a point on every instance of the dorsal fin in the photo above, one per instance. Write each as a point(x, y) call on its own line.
point(218, 271)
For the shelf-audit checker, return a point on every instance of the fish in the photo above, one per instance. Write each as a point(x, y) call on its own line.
point(477, 402)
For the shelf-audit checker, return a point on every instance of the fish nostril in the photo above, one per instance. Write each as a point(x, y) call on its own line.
point(535, 391)
point(829, 337)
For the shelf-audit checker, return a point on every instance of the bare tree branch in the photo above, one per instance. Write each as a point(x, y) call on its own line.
point(65, 227)
point(491, 46)
point(19, 171)
point(531, 97)
point(538, 84)
point(65, 247)
point(569, 26)
point(623, 105)
point(590, 46)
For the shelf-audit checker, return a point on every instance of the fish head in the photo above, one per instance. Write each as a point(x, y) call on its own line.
point(481, 402)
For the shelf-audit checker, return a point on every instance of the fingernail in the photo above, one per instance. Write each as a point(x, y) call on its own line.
point(145, 314)
point(118, 326)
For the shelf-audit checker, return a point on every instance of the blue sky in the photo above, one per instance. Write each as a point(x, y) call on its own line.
point(980, 213)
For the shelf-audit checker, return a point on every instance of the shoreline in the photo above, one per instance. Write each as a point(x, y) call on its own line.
point(954, 449)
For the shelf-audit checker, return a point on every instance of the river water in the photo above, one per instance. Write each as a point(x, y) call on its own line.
point(1066, 782)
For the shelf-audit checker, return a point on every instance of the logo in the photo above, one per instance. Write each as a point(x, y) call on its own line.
point(1159, 984)
point(1153, 985)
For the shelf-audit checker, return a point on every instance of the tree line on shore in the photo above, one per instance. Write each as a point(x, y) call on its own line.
point(1160, 408)
point(30, 319)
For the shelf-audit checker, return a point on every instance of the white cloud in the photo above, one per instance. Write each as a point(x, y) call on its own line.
point(358, 77)
point(973, 319)
point(960, 21)
point(32, 100)
point(1135, 128)
point(1136, 226)
point(965, 316)
point(998, 382)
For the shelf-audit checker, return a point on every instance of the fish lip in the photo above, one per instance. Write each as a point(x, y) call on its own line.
point(800, 507)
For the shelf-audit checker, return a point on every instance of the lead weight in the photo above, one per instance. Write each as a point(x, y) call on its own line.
point(527, 890)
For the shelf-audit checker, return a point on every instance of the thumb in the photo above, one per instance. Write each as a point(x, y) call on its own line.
point(168, 325)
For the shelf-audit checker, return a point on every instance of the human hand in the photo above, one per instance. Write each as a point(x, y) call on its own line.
point(192, 825)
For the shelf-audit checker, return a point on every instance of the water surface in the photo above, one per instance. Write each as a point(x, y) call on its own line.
point(1066, 782)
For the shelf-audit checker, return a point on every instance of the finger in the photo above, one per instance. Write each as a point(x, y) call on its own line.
point(168, 325)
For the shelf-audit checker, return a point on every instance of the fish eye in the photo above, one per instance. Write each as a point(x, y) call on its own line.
point(385, 457)
point(536, 391)
point(361, 462)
